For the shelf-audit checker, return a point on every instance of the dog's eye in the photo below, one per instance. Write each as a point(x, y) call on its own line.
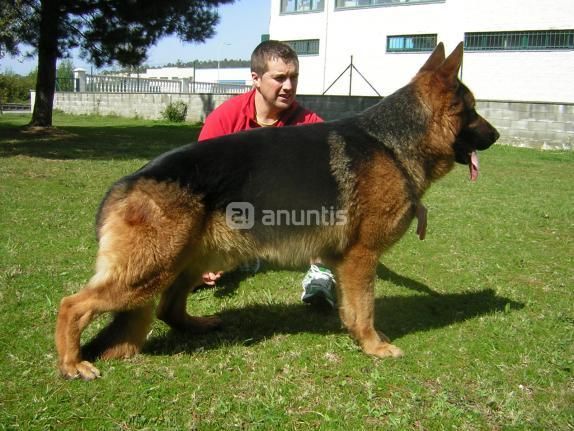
point(471, 116)
point(456, 107)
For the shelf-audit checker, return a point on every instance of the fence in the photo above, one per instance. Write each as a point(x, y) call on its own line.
point(121, 84)
point(531, 124)
point(14, 107)
point(65, 84)
point(128, 84)
point(216, 88)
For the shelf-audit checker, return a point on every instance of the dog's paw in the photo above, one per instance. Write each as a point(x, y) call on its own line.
point(384, 350)
point(390, 350)
point(84, 370)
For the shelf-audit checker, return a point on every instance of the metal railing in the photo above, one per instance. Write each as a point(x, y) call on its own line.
point(124, 84)
point(65, 84)
point(217, 88)
point(14, 107)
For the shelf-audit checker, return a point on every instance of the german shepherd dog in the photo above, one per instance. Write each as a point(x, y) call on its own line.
point(160, 228)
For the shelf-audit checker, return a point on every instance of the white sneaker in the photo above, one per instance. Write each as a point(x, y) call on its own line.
point(319, 286)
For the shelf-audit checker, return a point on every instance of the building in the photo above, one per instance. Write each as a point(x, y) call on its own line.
point(518, 50)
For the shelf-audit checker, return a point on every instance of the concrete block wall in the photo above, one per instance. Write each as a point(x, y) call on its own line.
point(523, 124)
point(531, 124)
point(148, 106)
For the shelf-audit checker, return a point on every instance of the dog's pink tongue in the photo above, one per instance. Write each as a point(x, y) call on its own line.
point(473, 166)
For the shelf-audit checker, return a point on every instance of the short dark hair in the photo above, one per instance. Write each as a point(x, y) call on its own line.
point(269, 50)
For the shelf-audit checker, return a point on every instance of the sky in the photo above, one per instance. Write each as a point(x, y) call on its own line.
point(240, 27)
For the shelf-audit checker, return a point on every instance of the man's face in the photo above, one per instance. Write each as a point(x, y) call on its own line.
point(278, 85)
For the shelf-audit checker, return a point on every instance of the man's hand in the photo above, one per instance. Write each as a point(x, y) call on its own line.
point(421, 221)
point(210, 278)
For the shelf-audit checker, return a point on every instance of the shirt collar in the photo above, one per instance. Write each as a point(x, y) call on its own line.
point(249, 111)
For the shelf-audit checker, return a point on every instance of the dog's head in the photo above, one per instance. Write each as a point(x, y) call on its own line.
point(454, 108)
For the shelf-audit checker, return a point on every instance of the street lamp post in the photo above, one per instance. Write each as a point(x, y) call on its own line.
point(219, 56)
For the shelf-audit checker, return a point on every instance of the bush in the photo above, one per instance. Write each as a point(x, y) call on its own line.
point(175, 112)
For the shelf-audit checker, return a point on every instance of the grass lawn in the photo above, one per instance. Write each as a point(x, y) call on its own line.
point(483, 308)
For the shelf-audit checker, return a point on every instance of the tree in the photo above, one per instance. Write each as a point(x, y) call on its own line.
point(65, 76)
point(105, 31)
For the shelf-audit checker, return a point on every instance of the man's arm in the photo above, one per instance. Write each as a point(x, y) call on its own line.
point(213, 127)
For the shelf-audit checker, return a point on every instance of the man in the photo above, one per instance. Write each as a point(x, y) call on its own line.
point(271, 103)
point(275, 71)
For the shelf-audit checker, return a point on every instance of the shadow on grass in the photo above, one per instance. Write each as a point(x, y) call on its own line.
point(231, 281)
point(384, 273)
point(396, 316)
point(95, 143)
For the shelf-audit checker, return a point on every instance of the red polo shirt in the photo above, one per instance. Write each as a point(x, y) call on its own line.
point(238, 113)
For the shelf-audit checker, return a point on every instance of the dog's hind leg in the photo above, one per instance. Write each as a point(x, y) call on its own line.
point(123, 337)
point(172, 308)
point(356, 296)
point(75, 313)
point(144, 238)
point(133, 305)
point(129, 273)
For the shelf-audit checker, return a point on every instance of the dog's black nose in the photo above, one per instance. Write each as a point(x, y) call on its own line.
point(495, 135)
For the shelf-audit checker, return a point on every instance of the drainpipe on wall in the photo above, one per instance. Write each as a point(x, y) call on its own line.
point(326, 9)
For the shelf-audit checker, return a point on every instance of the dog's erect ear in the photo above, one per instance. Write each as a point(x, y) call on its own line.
point(435, 59)
point(449, 69)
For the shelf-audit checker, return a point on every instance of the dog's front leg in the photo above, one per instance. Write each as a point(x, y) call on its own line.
point(356, 297)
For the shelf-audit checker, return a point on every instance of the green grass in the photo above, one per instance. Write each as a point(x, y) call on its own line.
point(483, 308)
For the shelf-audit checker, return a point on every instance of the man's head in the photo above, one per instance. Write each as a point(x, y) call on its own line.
point(275, 71)
point(271, 50)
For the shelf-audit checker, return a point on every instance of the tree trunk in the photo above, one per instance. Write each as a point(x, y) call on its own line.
point(47, 59)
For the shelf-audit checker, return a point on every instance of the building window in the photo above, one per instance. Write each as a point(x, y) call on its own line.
point(294, 6)
point(519, 40)
point(411, 43)
point(342, 4)
point(304, 47)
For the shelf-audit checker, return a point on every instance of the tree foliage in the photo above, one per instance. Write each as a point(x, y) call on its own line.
point(16, 25)
point(211, 64)
point(16, 88)
point(105, 31)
